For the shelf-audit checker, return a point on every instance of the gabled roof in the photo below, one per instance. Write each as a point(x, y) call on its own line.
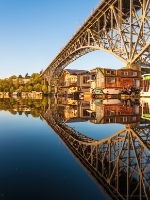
point(76, 71)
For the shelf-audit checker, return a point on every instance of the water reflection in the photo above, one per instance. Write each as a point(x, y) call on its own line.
point(121, 162)
point(23, 106)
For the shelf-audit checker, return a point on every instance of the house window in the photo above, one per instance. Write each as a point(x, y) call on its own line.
point(124, 73)
point(110, 112)
point(123, 119)
point(133, 118)
point(145, 82)
point(110, 72)
point(133, 73)
point(111, 80)
point(93, 77)
point(145, 104)
point(109, 120)
point(85, 79)
point(85, 113)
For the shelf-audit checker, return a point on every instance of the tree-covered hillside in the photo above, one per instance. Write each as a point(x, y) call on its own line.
point(23, 84)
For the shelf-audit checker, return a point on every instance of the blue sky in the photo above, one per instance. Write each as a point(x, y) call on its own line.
point(32, 32)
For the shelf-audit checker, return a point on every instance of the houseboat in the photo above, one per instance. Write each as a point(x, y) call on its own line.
point(114, 82)
point(73, 81)
point(145, 92)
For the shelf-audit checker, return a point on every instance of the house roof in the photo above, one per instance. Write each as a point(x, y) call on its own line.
point(76, 71)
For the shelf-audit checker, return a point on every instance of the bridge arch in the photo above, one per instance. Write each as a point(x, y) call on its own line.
point(118, 27)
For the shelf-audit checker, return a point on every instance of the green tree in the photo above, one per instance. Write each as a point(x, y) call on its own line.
point(26, 76)
point(16, 83)
point(12, 89)
point(44, 89)
point(1, 88)
point(37, 87)
point(30, 88)
point(13, 77)
point(21, 88)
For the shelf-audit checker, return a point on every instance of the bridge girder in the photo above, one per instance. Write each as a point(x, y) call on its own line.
point(119, 27)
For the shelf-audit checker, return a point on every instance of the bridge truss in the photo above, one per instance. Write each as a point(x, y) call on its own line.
point(119, 27)
point(120, 163)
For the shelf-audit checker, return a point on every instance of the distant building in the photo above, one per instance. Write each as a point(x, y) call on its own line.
point(22, 80)
point(33, 95)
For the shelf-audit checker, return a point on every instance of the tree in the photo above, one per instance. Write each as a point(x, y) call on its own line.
point(27, 75)
point(20, 76)
point(37, 87)
point(44, 89)
point(1, 88)
point(30, 88)
point(12, 89)
point(13, 77)
point(21, 89)
point(16, 83)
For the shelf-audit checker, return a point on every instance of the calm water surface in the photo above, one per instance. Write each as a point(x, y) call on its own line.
point(35, 163)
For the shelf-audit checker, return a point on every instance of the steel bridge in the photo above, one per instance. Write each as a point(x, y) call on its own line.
point(119, 163)
point(119, 27)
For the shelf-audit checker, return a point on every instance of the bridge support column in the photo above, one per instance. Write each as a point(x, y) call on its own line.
point(56, 101)
point(49, 103)
point(44, 81)
point(56, 89)
point(49, 86)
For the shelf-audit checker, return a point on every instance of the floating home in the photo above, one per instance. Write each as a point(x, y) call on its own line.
point(113, 82)
point(74, 81)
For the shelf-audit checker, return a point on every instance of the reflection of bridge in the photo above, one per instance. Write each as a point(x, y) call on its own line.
point(119, 27)
point(120, 163)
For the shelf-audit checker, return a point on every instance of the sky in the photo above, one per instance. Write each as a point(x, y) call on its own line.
point(32, 32)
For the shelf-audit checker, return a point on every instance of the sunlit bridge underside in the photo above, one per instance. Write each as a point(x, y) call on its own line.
point(119, 27)
point(120, 163)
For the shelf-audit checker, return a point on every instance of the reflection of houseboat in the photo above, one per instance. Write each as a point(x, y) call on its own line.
point(145, 107)
point(115, 111)
point(4, 94)
point(75, 110)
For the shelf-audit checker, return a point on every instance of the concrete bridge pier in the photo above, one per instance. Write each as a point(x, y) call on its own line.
point(49, 103)
point(56, 90)
point(49, 86)
point(56, 101)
